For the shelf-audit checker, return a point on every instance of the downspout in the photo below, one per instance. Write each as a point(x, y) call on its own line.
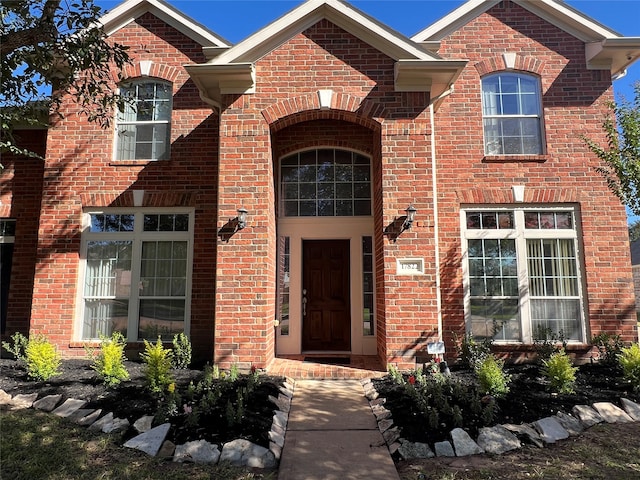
point(434, 187)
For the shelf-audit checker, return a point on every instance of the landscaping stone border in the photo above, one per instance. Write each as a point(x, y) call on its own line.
point(153, 441)
point(500, 439)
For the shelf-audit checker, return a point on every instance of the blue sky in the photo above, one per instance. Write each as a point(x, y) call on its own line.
point(237, 19)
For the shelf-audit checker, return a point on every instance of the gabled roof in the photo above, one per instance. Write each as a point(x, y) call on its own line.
point(415, 70)
point(128, 11)
point(605, 48)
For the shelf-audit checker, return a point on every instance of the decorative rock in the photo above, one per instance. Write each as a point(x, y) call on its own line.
point(377, 402)
point(29, 400)
point(100, 423)
point(70, 406)
point(116, 426)
point(394, 447)
point(384, 425)
point(246, 454)
point(143, 424)
point(278, 429)
point(587, 415)
point(612, 414)
point(198, 451)
point(444, 449)
point(550, 429)
point(5, 398)
point(150, 441)
point(276, 438)
point(289, 385)
point(89, 418)
point(280, 419)
point(391, 435)
point(79, 414)
point(167, 449)
point(570, 424)
point(286, 392)
point(464, 444)
point(526, 433)
point(411, 450)
point(283, 403)
point(381, 413)
point(276, 450)
point(371, 394)
point(497, 440)
point(632, 408)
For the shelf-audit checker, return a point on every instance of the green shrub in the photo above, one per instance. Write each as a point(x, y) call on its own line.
point(19, 346)
point(43, 360)
point(472, 352)
point(609, 347)
point(492, 378)
point(560, 373)
point(546, 342)
point(395, 374)
point(157, 370)
point(629, 360)
point(181, 351)
point(109, 363)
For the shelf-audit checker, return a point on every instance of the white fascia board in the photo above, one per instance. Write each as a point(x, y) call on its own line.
point(131, 9)
point(308, 14)
point(557, 13)
point(615, 54)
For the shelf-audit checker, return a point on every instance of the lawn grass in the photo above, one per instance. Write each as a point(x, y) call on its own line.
point(36, 445)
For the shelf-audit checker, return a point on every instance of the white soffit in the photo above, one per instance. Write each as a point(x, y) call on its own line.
point(128, 11)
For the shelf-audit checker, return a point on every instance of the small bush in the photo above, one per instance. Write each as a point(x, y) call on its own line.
point(109, 363)
point(43, 360)
point(395, 374)
point(18, 347)
point(472, 352)
point(181, 351)
point(560, 373)
point(157, 369)
point(547, 342)
point(629, 360)
point(492, 378)
point(609, 347)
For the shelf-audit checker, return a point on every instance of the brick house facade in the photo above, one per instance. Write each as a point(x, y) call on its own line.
point(326, 126)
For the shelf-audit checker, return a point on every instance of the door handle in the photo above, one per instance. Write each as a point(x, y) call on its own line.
point(304, 302)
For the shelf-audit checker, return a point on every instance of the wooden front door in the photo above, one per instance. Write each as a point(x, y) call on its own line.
point(326, 310)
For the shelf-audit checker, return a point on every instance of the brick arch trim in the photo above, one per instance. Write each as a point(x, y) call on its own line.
point(307, 107)
point(505, 196)
point(498, 63)
point(155, 70)
point(149, 199)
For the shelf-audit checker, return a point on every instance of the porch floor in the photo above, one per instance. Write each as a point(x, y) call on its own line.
point(295, 366)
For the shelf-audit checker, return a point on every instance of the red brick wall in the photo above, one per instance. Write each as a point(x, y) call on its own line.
point(79, 167)
point(574, 101)
point(20, 194)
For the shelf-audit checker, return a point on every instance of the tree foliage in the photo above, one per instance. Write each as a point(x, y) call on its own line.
point(621, 157)
point(51, 49)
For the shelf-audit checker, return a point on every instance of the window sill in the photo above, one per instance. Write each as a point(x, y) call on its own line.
point(131, 163)
point(515, 158)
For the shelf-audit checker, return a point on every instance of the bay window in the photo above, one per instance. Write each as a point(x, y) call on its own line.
point(136, 274)
point(522, 274)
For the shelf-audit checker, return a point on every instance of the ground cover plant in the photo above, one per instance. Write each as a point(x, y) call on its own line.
point(204, 403)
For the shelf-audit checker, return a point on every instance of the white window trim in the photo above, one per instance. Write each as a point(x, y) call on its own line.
point(539, 116)
point(521, 235)
point(137, 237)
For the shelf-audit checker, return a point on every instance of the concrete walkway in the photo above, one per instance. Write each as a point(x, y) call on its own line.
point(333, 435)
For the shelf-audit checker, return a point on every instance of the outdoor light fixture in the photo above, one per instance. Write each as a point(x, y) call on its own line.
point(411, 216)
point(242, 218)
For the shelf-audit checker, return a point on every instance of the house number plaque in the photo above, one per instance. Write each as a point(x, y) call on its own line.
point(410, 266)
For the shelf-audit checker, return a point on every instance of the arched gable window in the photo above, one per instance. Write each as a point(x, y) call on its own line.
point(325, 183)
point(144, 127)
point(512, 114)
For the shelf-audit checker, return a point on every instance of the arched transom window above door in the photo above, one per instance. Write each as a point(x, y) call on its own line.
point(325, 182)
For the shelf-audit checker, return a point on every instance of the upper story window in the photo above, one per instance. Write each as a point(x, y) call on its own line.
point(512, 114)
point(325, 183)
point(144, 127)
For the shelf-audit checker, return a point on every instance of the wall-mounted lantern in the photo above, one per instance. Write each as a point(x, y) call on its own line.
point(411, 216)
point(241, 219)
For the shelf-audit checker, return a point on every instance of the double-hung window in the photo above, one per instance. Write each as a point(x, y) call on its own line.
point(144, 126)
point(137, 279)
point(512, 114)
point(7, 239)
point(522, 274)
